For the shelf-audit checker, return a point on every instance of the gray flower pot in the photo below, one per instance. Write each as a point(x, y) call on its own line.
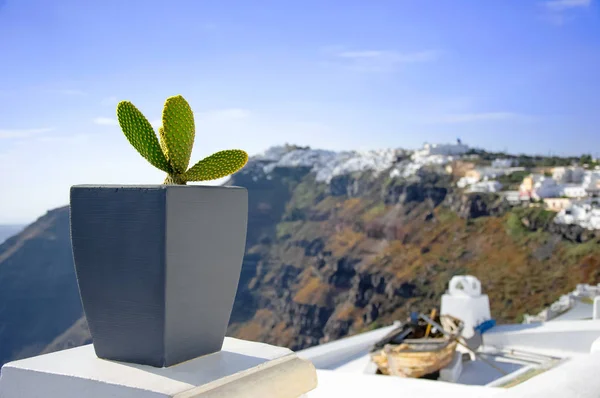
point(158, 267)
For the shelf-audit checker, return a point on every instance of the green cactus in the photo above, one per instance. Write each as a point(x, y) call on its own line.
point(177, 133)
point(140, 134)
point(172, 154)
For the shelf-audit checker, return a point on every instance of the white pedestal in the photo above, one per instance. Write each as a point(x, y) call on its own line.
point(471, 310)
point(240, 369)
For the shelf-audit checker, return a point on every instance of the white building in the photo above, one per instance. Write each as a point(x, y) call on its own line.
point(466, 181)
point(549, 188)
point(568, 174)
point(585, 213)
point(484, 174)
point(577, 174)
point(570, 182)
point(503, 163)
point(574, 191)
point(579, 183)
point(495, 172)
point(429, 155)
point(486, 186)
point(557, 204)
point(591, 182)
point(545, 187)
point(457, 149)
point(515, 197)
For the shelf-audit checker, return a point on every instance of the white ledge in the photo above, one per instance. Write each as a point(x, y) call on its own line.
point(240, 369)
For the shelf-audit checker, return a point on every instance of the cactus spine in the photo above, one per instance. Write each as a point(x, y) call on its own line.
point(172, 154)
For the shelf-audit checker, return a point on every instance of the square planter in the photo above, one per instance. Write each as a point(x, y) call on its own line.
point(158, 267)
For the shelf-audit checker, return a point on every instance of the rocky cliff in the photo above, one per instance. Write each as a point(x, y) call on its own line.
point(364, 250)
point(39, 299)
point(331, 250)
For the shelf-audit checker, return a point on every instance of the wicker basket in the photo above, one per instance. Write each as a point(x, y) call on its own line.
point(419, 357)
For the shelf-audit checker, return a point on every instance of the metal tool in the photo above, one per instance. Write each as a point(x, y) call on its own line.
point(441, 329)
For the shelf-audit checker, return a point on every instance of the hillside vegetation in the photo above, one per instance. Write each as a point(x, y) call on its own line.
point(328, 259)
point(363, 252)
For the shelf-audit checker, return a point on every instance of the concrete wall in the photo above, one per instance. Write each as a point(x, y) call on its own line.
point(576, 378)
point(336, 353)
point(569, 337)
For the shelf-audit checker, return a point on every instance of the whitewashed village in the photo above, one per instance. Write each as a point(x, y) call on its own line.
point(571, 191)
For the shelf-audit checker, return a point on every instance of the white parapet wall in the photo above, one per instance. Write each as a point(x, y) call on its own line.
point(465, 301)
point(240, 369)
point(577, 378)
point(565, 338)
point(334, 354)
point(334, 384)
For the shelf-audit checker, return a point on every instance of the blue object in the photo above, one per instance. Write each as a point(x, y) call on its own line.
point(414, 317)
point(485, 326)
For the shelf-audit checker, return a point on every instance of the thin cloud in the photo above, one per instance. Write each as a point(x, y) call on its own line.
point(105, 121)
point(383, 60)
point(64, 138)
point(560, 5)
point(22, 133)
point(362, 54)
point(480, 117)
point(396, 57)
point(560, 12)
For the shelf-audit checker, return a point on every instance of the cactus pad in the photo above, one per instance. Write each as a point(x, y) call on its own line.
point(220, 164)
point(172, 153)
point(177, 133)
point(141, 135)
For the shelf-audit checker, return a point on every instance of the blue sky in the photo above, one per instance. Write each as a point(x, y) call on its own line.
point(343, 74)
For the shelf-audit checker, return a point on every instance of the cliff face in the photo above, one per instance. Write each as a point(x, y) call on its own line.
point(362, 251)
point(325, 259)
point(39, 299)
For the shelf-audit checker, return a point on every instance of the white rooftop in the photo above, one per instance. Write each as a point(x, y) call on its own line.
point(241, 369)
point(524, 357)
point(557, 358)
point(339, 384)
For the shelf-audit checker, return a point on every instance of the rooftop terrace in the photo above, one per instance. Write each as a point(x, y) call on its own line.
point(557, 358)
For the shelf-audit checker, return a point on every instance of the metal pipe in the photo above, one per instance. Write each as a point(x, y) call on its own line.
point(529, 354)
point(513, 359)
point(441, 329)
